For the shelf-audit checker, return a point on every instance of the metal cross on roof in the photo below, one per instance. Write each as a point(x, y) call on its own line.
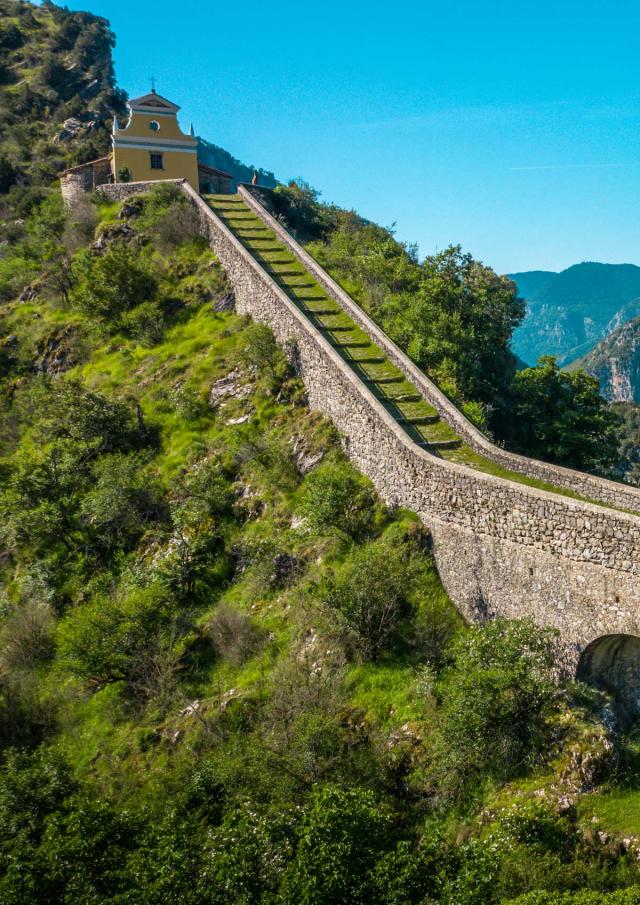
point(153, 84)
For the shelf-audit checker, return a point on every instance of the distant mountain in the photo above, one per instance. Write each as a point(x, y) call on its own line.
point(533, 282)
point(615, 361)
point(217, 157)
point(568, 313)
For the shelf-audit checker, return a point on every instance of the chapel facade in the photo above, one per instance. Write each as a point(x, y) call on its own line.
point(149, 146)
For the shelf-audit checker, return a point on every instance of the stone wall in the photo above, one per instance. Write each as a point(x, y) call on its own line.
point(120, 190)
point(501, 548)
point(80, 181)
point(75, 186)
point(609, 492)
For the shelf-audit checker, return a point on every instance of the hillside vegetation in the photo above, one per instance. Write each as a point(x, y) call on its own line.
point(215, 156)
point(455, 318)
point(227, 672)
point(57, 95)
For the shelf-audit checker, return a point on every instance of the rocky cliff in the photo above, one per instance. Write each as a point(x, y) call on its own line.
point(615, 361)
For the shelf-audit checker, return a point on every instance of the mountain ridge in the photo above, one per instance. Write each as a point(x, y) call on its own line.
point(568, 313)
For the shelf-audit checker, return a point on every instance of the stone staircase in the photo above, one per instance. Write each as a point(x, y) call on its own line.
point(400, 398)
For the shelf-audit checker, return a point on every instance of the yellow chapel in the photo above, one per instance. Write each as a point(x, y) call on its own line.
point(151, 145)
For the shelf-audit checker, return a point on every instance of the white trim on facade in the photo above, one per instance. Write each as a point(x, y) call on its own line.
point(149, 145)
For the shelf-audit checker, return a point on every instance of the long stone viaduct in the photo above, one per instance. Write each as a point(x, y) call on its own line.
point(502, 548)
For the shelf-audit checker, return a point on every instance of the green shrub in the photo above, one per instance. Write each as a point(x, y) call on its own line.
point(562, 417)
point(497, 698)
point(234, 634)
point(120, 503)
point(247, 855)
point(56, 844)
point(630, 896)
point(26, 637)
point(108, 286)
point(412, 875)
point(334, 497)
point(343, 835)
point(146, 323)
point(372, 592)
point(66, 410)
point(104, 641)
point(260, 351)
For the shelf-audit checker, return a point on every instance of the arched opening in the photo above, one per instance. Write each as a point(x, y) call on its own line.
point(612, 663)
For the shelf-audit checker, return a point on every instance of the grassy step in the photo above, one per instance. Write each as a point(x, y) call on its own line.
point(277, 261)
point(383, 381)
point(279, 274)
point(349, 345)
point(418, 418)
point(288, 278)
point(407, 397)
point(439, 444)
point(370, 360)
point(319, 312)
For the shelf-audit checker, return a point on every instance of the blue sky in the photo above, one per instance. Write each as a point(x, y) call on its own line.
point(512, 128)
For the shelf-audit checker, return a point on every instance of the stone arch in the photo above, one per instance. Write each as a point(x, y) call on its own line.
point(612, 663)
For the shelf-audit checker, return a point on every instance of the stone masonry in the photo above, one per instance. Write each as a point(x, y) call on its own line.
point(502, 548)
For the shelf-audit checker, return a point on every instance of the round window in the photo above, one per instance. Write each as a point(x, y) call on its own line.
point(154, 125)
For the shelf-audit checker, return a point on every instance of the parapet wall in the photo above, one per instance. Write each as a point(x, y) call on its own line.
point(501, 547)
point(579, 482)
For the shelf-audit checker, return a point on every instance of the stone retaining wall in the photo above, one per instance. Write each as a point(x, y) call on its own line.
point(609, 492)
point(501, 547)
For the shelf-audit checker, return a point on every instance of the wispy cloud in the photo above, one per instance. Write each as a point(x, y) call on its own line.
point(592, 110)
point(573, 166)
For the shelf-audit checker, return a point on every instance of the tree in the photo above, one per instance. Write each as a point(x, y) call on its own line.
point(629, 465)
point(247, 855)
point(562, 417)
point(459, 326)
point(57, 843)
point(190, 561)
point(32, 787)
point(260, 351)
point(410, 875)
point(120, 503)
point(298, 206)
point(497, 698)
point(66, 410)
point(57, 495)
point(453, 315)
